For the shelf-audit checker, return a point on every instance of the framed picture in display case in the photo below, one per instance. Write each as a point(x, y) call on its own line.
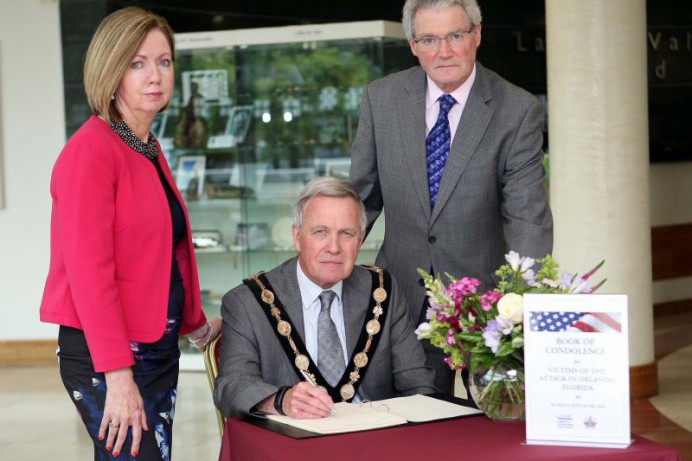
point(199, 86)
point(190, 176)
point(238, 124)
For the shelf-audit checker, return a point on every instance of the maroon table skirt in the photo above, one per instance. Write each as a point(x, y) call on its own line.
point(474, 438)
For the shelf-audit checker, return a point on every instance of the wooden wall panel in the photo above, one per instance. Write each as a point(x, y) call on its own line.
point(17, 353)
point(671, 248)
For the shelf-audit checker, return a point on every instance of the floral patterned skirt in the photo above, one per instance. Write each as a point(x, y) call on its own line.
point(155, 373)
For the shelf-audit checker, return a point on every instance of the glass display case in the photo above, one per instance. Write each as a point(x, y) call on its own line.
point(255, 115)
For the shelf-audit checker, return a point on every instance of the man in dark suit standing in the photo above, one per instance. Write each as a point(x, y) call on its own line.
point(318, 323)
point(453, 153)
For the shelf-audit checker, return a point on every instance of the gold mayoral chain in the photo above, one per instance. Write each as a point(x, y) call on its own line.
point(360, 360)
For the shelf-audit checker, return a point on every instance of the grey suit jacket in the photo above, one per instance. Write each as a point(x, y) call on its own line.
point(491, 198)
point(253, 364)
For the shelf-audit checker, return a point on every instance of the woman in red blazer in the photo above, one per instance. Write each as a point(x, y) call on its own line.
point(123, 282)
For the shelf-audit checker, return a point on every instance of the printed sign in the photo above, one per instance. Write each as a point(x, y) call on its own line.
point(577, 370)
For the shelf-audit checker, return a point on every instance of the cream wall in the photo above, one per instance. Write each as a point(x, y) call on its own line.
point(31, 135)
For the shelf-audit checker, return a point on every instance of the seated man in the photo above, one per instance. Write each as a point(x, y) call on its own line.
point(318, 329)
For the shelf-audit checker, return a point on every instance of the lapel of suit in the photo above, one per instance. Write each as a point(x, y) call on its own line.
point(411, 113)
point(355, 298)
point(286, 286)
point(474, 121)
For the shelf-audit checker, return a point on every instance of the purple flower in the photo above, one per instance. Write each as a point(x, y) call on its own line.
point(494, 331)
point(526, 264)
point(573, 284)
point(492, 338)
point(566, 280)
point(529, 276)
point(504, 325)
point(433, 307)
point(518, 263)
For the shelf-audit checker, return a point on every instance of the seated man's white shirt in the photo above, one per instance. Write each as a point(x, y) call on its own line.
point(309, 295)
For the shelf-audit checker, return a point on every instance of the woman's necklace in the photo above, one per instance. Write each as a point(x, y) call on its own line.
point(149, 150)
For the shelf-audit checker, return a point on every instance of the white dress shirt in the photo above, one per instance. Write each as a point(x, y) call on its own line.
point(432, 105)
point(309, 295)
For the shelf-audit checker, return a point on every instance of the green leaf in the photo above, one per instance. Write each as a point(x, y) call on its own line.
point(504, 349)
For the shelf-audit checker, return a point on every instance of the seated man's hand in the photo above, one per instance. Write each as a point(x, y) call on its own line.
point(307, 401)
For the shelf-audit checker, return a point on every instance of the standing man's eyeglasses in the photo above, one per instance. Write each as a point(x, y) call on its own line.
point(432, 43)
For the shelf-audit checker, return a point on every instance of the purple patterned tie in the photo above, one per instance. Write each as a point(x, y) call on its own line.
point(437, 147)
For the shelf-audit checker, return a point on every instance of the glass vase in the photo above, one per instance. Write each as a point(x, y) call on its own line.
point(499, 392)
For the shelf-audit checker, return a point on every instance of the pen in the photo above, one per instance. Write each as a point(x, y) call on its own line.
point(309, 379)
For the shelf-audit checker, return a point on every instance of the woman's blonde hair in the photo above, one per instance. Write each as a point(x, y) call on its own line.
point(110, 54)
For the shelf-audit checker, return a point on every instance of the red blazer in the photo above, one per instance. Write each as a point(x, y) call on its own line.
point(111, 244)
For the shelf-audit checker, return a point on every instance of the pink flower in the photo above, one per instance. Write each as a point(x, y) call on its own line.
point(462, 288)
point(591, 272)
point(489, 299)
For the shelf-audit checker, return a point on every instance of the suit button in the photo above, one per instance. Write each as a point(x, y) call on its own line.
point(421, 282)
point(432, 239)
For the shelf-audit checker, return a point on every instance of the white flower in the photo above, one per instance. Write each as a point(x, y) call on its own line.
point(511, 306)
point(514, 260)
point(579, 285)
point(422, 330)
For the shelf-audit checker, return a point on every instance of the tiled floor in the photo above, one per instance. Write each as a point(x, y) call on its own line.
point(37, 421)
point(667, 417)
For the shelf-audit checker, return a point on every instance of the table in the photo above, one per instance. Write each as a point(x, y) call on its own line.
point(477, 438)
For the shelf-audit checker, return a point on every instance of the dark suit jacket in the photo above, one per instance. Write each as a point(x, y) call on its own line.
point(491, 197)
point(253, 364)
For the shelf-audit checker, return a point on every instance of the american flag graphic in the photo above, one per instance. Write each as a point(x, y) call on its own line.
point(588, 322)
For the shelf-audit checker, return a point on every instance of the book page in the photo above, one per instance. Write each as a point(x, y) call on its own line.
point(419, 408)
point(348, 417)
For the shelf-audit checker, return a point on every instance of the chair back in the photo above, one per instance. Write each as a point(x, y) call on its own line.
point(211, 365)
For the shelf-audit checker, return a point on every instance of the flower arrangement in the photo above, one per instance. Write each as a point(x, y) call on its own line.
point(484, 331)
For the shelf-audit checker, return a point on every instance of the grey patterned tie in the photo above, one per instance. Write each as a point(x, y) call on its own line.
point(330, 355)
